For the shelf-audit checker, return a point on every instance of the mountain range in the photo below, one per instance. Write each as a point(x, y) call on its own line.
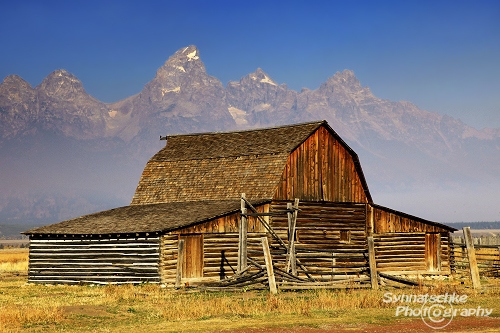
point(63, 153)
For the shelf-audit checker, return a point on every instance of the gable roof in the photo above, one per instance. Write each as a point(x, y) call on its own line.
point(222, 165)
point(143, 218)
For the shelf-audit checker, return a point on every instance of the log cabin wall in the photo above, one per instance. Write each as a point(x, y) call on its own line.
point(330, 239)
point(321, 169)
point(220, 246)
point(91, 259)
point(403, 243)
point(409, 252)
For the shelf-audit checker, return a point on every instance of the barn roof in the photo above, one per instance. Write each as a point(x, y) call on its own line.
point(144, 218)
point(222, 165)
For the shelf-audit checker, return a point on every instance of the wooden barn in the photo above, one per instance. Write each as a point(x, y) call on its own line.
point(306, 212)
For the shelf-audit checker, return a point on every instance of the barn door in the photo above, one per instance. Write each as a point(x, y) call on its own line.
point(433, 251)
point(192, 267)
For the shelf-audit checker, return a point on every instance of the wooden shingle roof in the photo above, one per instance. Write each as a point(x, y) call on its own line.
point(143, 218)
point(221, 166)
point(275, 140)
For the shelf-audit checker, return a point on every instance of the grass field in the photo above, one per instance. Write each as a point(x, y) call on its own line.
point(14, 260)
point(150, 308)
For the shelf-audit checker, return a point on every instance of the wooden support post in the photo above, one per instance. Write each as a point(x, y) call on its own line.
point(471, 255)
point(294, 233)
point(499, 254)
point(242, 242)
point(269, 266)
point(371, 225)
point(291, 264)
point(180, 262)
point(439, 252)
point(372, 262)
point(452, 255)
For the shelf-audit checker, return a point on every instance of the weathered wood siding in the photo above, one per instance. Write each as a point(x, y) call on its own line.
point(321, 169)
point(321, 245)
point(220, 246)
point(220, 257)
point(403, 243)
point(226, 224)
point(404, 252)
point(93, 260)
point(388, 221)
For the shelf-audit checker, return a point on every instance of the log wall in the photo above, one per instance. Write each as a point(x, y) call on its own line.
point(220, 246)
point(406, 252)
point(322, 247)
point(220, 258)
point(321, 169)
point(94, 260)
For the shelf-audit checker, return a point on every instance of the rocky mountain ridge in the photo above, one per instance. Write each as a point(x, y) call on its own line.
point(183, 93)
point(399, 144)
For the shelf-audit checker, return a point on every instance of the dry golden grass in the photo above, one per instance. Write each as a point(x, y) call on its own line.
point(122, 308)
point(13, 260)
point(22, 315)
point(128, 308)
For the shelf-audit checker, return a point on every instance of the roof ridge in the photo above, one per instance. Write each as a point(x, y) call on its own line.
point(219, 157)
point(318, 122)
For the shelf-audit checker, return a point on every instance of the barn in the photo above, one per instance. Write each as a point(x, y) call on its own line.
point(216, 208)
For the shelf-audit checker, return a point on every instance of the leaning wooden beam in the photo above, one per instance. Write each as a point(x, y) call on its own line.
point(398, 279)
point(345, 284)
point(247, 279)
point(242, 242)
point(287, 276)
point(372, 263)
point(265, 224)
point(255, 263)
point(180, 261)
point(269, 266)
point(471, 254)
point(330, 286)
point(305, 270)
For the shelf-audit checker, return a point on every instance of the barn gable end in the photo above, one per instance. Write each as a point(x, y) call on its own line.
point(323, 168)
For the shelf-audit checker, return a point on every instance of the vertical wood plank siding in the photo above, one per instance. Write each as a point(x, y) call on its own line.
point(386, 221)
point(321, 169)
point(227, 224)
point(94, 260)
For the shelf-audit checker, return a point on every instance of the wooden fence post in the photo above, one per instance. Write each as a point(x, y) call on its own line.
point(372, 263)
point(180, 262)
point(471, 254)
point(269, 266)
point(242, 242)
point(499, 254)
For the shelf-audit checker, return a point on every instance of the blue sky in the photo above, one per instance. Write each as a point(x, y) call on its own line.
point(444, 56)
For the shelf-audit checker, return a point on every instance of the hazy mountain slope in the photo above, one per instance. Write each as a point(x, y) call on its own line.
point(64, 153)
point(181, 98)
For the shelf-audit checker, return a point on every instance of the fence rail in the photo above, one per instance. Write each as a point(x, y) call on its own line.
point(487, 257)
point(482, 240)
